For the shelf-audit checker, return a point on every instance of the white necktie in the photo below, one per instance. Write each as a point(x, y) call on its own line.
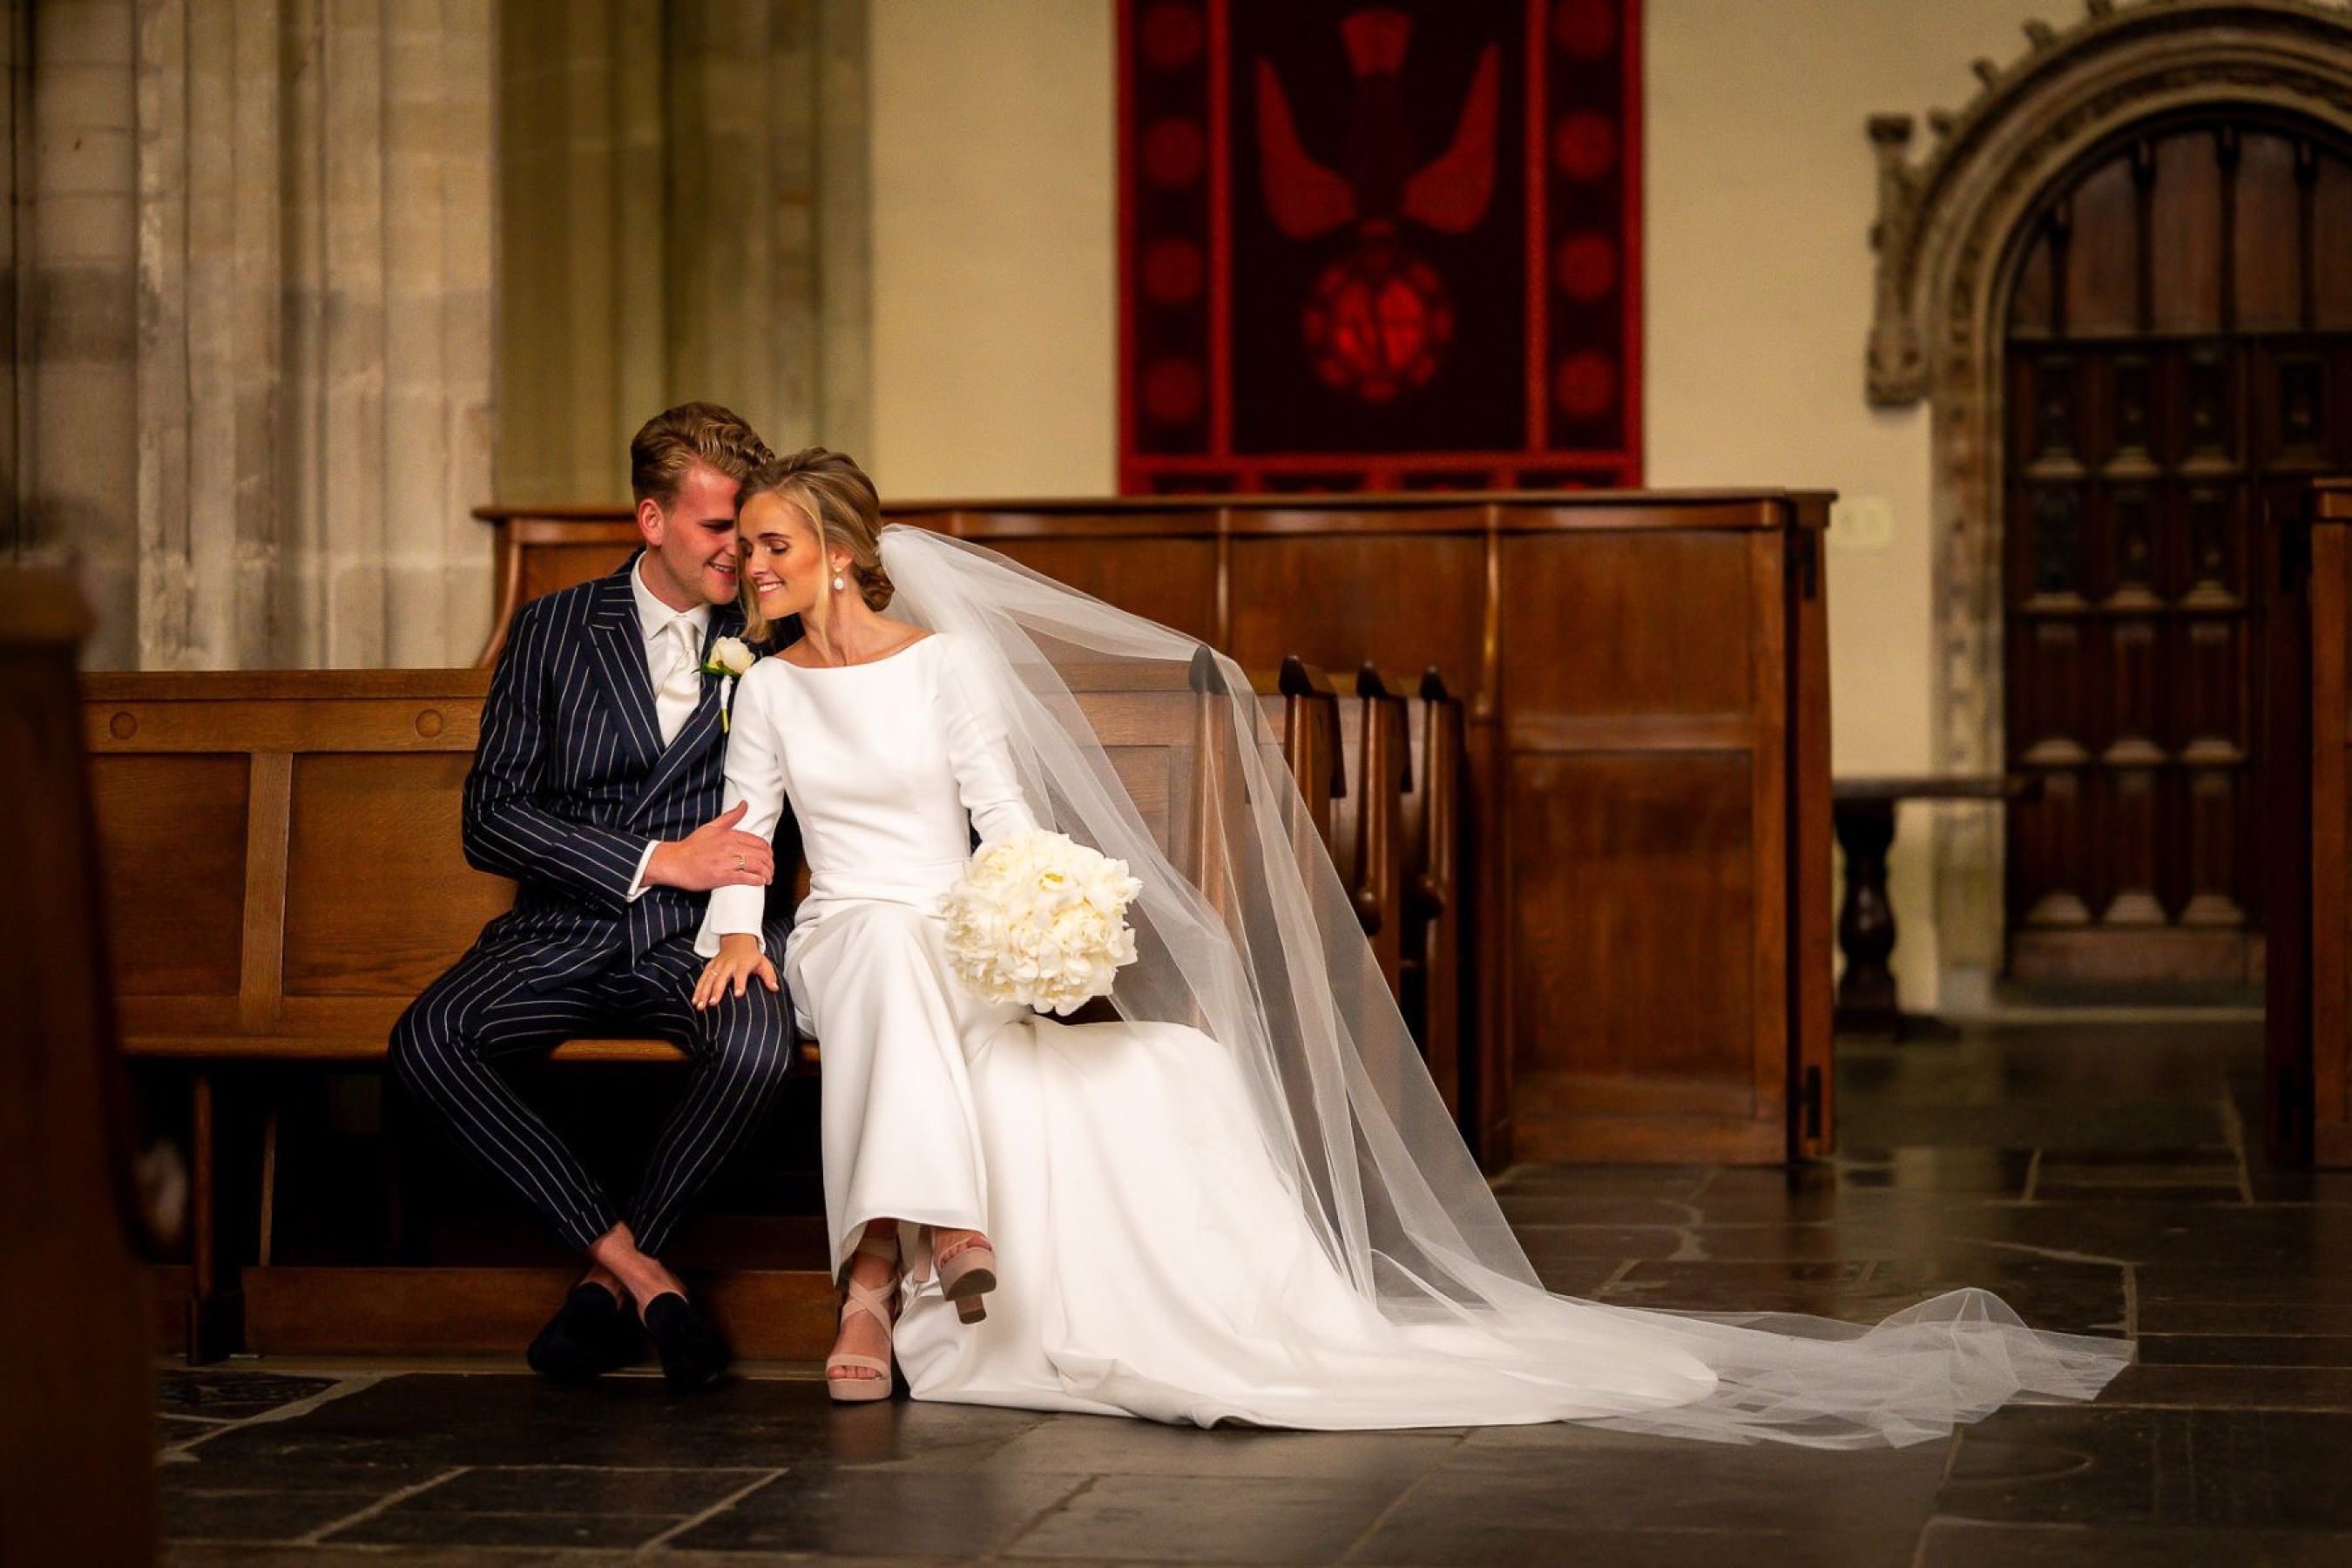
point(680, 690)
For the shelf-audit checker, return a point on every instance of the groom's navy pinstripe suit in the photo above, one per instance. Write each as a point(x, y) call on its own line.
point(571, 780)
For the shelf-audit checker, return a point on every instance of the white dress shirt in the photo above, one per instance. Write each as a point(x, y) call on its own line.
point(666, 644)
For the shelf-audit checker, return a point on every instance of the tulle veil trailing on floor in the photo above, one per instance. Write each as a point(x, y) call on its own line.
point(1260, 949)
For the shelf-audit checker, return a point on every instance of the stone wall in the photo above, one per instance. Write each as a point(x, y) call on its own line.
point(290, 286)
point(684, 211)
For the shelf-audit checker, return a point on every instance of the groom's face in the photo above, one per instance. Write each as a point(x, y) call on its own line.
point(690, 546)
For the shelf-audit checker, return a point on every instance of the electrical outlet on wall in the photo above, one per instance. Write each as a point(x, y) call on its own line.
point(1861, 523)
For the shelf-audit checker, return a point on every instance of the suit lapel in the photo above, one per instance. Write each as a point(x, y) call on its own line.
point(619, 645)
point(702, 724)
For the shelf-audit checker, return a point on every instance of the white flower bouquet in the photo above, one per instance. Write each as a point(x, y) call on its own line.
point(1040, 920)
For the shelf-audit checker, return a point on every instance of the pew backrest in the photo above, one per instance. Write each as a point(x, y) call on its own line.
point(283, 864)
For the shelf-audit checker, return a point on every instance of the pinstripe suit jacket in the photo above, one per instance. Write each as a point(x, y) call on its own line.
point(571, 780)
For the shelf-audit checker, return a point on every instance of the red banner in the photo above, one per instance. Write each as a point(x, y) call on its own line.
point(1389, 246)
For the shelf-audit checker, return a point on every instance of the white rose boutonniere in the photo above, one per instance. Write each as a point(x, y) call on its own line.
point(730, 658)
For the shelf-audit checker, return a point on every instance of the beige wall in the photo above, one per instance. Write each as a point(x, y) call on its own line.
point(995, 294)
point(995, 204)
point(1760, 189)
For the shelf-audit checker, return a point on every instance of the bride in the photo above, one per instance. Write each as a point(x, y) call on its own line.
point(1244, 1201)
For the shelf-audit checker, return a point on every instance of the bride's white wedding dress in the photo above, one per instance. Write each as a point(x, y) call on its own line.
point(1156, 1255)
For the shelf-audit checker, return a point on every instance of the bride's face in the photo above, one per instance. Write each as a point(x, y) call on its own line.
point(779, 556)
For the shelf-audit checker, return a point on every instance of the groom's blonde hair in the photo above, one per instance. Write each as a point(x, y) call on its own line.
point(670, 442)
point(843, 508)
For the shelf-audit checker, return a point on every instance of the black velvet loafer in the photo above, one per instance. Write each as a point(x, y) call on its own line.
point(589, 1335)
point(692, 1355)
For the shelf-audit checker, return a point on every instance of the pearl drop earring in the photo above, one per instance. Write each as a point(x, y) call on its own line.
point(837, 583)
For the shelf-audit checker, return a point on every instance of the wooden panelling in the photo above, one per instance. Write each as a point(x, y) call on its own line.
point(2308, 1019)
point(1644, 623)
point(1589, 629)
point(1630, 876)
point(1172, 581)
point(189, 814)
point(1313, 594)
point(561, 566)
point(390, 930)
point(773, 1314)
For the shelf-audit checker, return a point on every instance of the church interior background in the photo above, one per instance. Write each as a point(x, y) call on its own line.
point(316, 309)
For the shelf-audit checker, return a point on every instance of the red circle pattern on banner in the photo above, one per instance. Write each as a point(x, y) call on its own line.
point(1173, 272)
point(1584, 145)
point(1584, 28)
point(1585, 386)
point(1172, 391)
point(1585, 266)
point(1171, 35)
point(1173, 152)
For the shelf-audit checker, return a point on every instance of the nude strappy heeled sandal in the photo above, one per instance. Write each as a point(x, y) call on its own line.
point(966, 1273)
point(880, 1303)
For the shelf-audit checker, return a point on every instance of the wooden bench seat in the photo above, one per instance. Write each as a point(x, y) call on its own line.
point(283, 872)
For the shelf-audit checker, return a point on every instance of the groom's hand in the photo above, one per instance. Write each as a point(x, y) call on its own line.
point(715, 855)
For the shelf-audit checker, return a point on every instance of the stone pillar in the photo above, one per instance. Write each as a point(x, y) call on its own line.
point(315, 341)
point(74, 361)
point(580, 200)
point(684, 205)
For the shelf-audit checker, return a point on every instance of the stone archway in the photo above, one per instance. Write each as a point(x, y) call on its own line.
point(1945, 228)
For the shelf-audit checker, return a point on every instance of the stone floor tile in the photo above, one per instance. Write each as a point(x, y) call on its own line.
point(1605, 1210)
point(1582, 1277)
point(2047, 1465)
point(1209, 1518)
point(1512, 1489)
point(583, 1488)
point(2246, 1349)
point(2233, 1388)
point(1957, 1543)
point(257, 1515)
point(875, 1513)
point(171, 1429)
point(1675, 1182)
point(2327, 1187)
point(248, 1554)
point(1481, 1540)
point(1553, 1243)
point(406, 1527)
point(230, 1393)
point(2168, 1317)
point(2243, 1282)
point(615, 1421)
point(1111, 1445)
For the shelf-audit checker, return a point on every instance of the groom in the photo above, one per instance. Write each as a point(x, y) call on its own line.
point(596, 785)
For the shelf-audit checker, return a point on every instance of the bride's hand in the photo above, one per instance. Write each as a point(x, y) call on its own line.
point(738, 960)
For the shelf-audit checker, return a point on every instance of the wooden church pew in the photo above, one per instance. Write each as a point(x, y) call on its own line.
point(1435, 909)
point(1368, 821)
point(77, 1373)
point(285, 872)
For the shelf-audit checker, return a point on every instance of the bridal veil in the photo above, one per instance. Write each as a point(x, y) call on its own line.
point(1259, 947)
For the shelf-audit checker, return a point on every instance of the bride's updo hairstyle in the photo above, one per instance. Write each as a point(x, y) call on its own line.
point(843, 509)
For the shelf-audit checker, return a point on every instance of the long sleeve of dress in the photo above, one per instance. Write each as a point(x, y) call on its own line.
point(985, 778)
point(755, 777)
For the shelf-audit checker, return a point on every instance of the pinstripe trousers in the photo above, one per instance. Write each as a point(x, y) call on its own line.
point(446, 1046)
